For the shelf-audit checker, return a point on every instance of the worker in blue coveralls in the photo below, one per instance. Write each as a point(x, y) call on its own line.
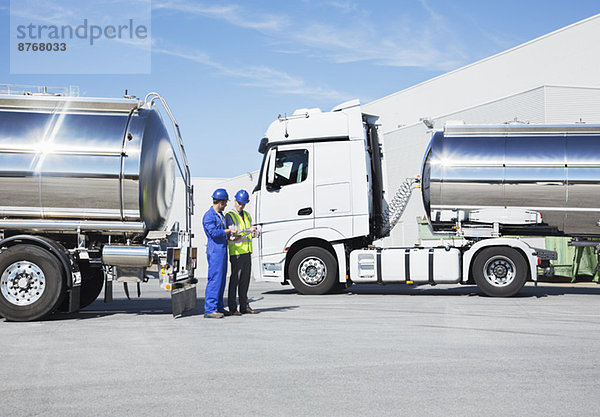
point(216, 254)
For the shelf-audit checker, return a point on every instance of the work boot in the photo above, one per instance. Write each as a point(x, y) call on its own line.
point(214, 315)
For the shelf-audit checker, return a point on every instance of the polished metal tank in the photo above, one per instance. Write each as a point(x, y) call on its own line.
point(554, 170)
point(106, 161)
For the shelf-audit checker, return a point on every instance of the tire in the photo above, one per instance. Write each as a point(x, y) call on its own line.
point(32, 283)
point(313, 270)
point(500, 271)
point(92, 281)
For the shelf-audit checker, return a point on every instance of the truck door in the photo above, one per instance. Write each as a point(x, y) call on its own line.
point(333, 193)
point(286, 201)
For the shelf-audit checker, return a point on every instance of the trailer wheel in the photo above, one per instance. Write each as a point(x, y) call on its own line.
point(313, 270)
point(31, 283)
point(500, 271)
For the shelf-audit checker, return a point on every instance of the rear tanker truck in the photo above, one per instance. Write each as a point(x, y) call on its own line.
point(321, 202)
point(87, 186)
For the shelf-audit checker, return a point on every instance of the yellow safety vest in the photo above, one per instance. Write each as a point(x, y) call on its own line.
point(243, 245)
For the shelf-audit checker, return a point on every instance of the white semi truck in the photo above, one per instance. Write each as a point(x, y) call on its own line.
point(321, 202)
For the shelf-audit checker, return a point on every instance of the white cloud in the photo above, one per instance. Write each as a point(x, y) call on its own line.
point(343, 6)
point(49, 13)
point(272, 80)
point(348, 45)
point(427, 41)
point(233, 14)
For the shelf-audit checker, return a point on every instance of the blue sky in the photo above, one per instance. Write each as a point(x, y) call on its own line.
point(228, 69)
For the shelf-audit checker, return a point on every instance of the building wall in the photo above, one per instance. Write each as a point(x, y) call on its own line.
point(572, 105)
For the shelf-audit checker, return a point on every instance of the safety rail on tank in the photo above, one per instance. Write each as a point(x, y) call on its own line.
point(17, 89)
point(185, 170)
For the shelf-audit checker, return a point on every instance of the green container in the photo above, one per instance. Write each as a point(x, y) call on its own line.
point(572, 261)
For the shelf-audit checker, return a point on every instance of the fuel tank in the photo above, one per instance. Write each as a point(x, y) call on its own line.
point(74, 158)
point(551, 169)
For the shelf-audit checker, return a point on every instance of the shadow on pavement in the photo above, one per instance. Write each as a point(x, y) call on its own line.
point(282, 308)
point(140, 306)
point(135, 306)
point(462, 290)
point(288, 290)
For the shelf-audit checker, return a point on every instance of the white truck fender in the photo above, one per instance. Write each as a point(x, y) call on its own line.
point(513, 243)
point(324, 233)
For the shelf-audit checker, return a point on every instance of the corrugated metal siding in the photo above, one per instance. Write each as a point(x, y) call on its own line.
point(526, 107)
point(572, 104)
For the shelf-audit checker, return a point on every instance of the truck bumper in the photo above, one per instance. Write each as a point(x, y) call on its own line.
point(269, 268)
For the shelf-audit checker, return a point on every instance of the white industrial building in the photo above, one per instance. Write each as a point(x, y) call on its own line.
point(551, 79)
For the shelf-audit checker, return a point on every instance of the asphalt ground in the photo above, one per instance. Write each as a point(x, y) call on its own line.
point(370, 351)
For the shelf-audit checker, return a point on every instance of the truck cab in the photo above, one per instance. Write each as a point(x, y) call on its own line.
point(319, 193)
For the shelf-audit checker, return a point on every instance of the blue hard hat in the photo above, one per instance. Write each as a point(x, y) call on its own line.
point(242, 197)
point(220, 194)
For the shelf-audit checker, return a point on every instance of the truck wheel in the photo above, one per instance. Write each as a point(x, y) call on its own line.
point(31, 283)
point(500, 271)
point(313, 270)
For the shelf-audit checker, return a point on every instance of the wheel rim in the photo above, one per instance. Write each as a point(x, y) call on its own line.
point(312, 271)
point(22, 283)
point(499, 271)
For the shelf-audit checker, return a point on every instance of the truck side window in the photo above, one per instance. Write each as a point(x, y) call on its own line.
point(291, 167)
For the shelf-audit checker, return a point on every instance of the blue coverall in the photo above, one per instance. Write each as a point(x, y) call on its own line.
point(216, 254)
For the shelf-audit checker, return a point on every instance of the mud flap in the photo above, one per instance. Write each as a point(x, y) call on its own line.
point(74, 296)
point(108, 291)
point(183, 299)
point(75, 292)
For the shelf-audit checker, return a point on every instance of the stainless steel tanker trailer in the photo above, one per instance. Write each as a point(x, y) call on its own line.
point(86, 188)
point(526, 179)
point(322, 206)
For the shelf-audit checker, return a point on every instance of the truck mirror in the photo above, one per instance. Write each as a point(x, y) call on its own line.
point(262, 147)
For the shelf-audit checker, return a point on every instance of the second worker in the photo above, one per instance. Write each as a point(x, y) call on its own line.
point(240, 253)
